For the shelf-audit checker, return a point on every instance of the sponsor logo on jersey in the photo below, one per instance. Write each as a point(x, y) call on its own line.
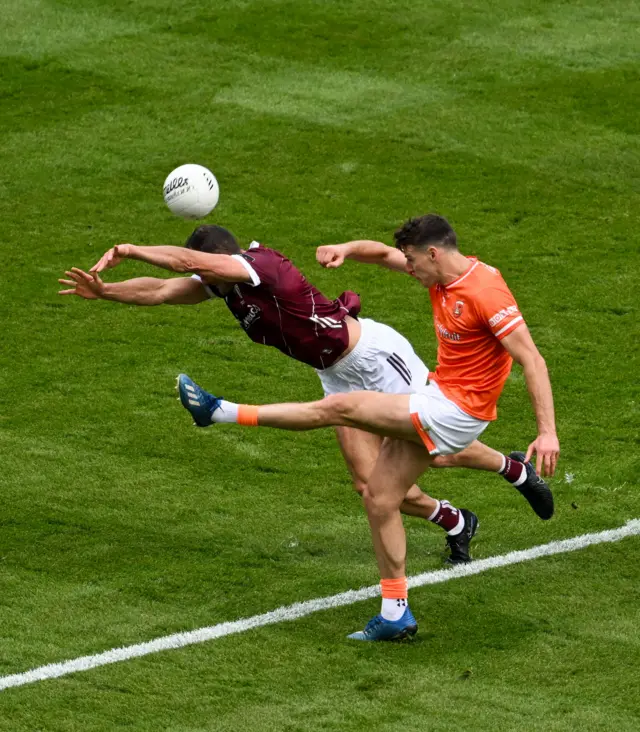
point(250, 318)
point(445, 333)
point(502, 314)
point(458, 308)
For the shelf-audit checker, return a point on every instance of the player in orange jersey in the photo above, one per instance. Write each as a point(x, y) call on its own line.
point(480, 332)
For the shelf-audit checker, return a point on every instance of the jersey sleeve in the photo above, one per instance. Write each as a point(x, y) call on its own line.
point(207, 288)
point(498, 310)
point(262, 264)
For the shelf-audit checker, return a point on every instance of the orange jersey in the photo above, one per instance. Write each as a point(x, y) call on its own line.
point(471, 316)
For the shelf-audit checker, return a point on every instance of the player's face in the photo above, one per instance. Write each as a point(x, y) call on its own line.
point(422, 264)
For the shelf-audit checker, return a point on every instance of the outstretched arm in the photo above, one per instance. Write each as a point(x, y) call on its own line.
point(522, 349)
point(138, 291)
point(363, 250)
point(211, 267)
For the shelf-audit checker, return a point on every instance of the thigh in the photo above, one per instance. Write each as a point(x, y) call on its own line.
point(383, 414)
point(360, 451)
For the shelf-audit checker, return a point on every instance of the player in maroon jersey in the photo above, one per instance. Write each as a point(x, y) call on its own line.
point(278, 307)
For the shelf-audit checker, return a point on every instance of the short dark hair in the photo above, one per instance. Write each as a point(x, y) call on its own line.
point(424, 231)
point(213, 240)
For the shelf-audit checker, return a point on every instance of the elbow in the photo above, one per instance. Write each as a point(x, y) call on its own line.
point(185, 265)
point(534, 362)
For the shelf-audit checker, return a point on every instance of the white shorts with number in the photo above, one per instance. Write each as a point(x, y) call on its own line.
point(382, 360)
point(443, 427)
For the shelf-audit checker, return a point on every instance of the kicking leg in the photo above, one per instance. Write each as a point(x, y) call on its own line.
point(383, 414)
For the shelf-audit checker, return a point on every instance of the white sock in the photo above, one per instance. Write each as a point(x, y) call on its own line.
point(522, 478)
point(436, 511)
point(393, 609)
point(226, 412)
point(504, 462)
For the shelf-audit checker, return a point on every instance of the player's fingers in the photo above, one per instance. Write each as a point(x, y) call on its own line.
point(539, 462)
point(81, 275)
point(85, 276)
point(530, 450)
point(67, 292)
point(73, 276)
point(66, 282)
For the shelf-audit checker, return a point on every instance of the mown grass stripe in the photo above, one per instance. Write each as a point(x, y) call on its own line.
point(301, 609)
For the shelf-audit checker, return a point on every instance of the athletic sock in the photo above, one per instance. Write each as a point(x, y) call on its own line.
point(226, 412)
point(245, 414)
point(394, 598)
point(448, 517)
point(513, 471)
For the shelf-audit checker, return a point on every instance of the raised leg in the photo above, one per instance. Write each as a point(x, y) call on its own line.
point(382, 414)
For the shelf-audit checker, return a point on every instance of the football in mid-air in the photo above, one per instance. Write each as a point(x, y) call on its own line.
point(191, 191)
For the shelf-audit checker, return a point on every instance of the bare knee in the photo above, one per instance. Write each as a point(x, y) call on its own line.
point(445, 461)
point(337, 408)
point(360, 486)
point(378, 504)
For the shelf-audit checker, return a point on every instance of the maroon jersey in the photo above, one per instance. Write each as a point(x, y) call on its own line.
point(280, 308)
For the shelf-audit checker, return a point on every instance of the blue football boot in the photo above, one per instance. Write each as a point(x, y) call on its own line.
point(379, 629)
point(198, 402)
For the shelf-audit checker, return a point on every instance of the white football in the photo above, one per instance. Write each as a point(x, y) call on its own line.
point(191, 191)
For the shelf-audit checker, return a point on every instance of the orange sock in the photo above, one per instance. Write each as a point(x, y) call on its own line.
point(394, 598)
point(248, 415)
point(392, 589)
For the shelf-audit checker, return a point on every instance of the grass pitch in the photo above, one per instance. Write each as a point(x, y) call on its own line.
point(323, 121)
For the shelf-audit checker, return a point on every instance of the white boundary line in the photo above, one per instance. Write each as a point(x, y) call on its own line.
point(300, 609)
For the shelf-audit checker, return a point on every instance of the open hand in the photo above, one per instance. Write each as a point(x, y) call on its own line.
point(547, 450)
point(330, 256)
point(88, 286)
point(112, 258)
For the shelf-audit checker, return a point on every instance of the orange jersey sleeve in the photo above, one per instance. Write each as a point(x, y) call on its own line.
point(497, 308)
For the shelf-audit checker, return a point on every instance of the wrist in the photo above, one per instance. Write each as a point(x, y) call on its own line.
point(346, 249)
point(547, 433)
point(127, 251)
point(106, 292)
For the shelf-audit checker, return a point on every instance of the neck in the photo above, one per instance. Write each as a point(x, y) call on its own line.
point(453, 265)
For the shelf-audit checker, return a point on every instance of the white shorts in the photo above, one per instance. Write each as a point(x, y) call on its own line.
point(382, 360)
point(443, 427)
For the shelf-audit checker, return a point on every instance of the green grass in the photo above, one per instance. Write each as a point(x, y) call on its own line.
point(323, 121)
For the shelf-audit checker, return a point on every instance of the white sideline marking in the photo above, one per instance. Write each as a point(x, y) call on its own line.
point(300, 609)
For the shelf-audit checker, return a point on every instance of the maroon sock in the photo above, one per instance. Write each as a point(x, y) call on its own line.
point(446, 516)
point(513, 471)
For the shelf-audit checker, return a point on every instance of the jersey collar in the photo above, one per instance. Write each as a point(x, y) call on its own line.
point(473, 263)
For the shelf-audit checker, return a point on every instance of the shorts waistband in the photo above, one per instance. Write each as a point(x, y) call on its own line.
point(345, 363)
